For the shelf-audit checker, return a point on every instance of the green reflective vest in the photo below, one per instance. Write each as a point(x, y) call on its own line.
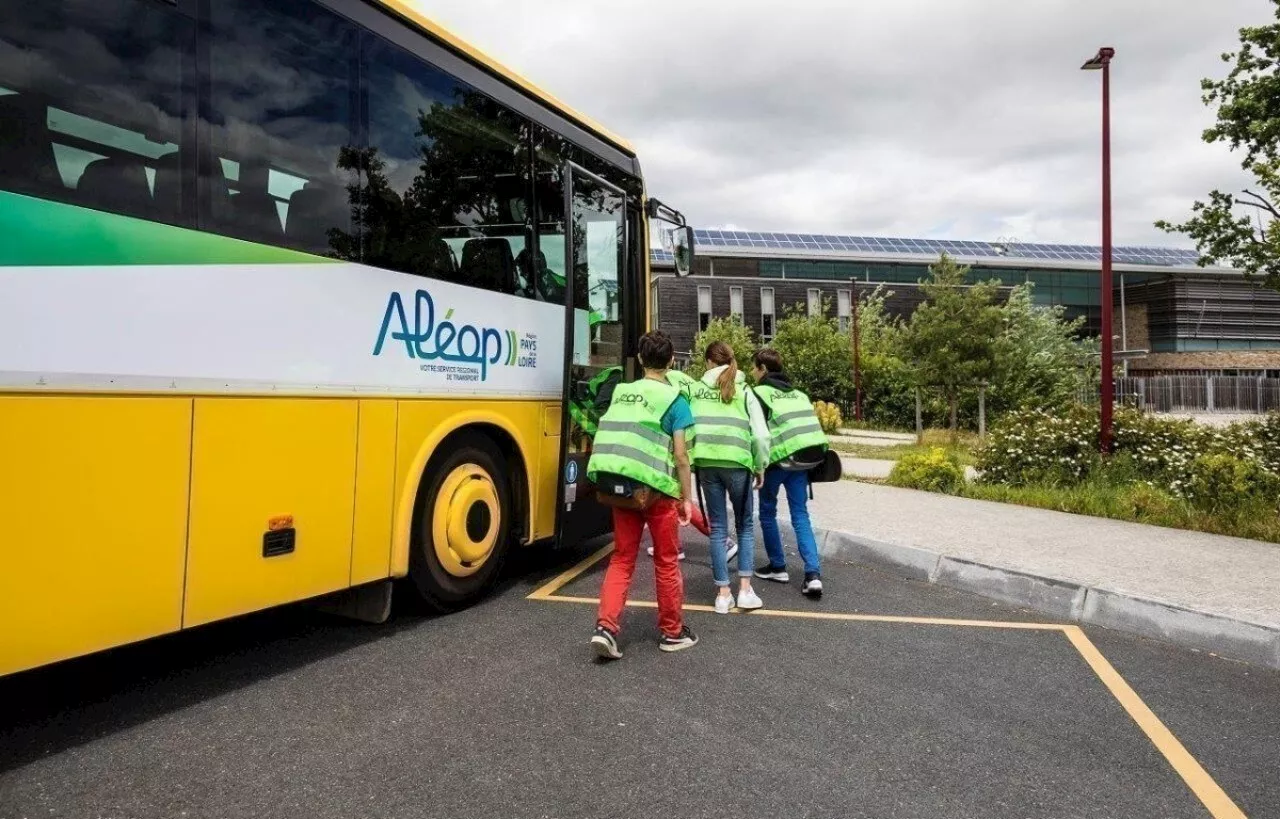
point(681, 381)
point(630, 441)
point(723, 431)
point(793, 425)
point(585, 412)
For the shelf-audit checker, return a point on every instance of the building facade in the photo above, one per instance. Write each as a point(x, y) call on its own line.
point(1170, 316)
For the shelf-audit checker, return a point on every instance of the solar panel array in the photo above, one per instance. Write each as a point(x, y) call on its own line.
point(739, 239)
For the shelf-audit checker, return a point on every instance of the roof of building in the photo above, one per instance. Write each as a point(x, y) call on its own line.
point(759, 244)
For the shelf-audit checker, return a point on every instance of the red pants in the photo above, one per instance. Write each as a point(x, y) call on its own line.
point(697, 521)
point(664, 527)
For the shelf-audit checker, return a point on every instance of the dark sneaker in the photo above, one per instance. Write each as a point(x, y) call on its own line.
point(778, 574)
point(605, 643)
point(686, 639)
point(812, 585)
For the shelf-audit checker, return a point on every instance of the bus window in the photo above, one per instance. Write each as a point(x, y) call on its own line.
point(447, 174)
point(92, 106)
point(281, 123)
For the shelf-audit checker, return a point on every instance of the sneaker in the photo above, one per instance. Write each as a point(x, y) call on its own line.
point(605, 643)
point(749, 600)
point(679, 556)
point(685, 639)
point(778, 574)
point(812, 585)
point(724, 602)
point(732, 549)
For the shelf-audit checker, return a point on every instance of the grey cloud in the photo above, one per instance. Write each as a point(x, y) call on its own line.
point(911, 117)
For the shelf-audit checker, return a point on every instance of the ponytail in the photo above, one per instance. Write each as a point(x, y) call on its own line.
point(721, 354)
point(728, 381)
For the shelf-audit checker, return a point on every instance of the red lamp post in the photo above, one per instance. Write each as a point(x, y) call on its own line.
point(1102, 61)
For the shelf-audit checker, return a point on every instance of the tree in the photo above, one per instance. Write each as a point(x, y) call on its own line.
point(1243, 230)
point(731, 331)
point(815, 354)
point(887, 392)
point(1040, 358)
point(950, 342)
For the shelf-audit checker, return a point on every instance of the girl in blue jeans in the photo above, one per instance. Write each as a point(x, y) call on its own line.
point(730, 452)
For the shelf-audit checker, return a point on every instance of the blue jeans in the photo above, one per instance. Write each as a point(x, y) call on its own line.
point(717, 482)
point(797, 485)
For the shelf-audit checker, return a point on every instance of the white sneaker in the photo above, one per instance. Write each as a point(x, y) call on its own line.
point(731, 549)
point(724, 602)
point(678, 557)
point(749, 600)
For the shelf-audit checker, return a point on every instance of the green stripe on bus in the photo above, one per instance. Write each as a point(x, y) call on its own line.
point(39, 233)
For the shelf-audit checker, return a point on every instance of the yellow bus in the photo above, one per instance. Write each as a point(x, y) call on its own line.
point(293, 296)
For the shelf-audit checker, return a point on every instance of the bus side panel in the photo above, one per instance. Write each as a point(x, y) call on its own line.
point(257, 461)
point(375, 492)
point(544, 513)
point(93, 517)
point(422, 424)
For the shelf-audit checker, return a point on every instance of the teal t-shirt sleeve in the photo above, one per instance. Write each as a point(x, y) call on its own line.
point(679, 416)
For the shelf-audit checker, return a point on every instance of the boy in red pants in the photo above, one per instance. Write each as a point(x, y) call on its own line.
point(640, 442)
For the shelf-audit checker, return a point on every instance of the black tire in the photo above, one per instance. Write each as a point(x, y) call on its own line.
point(438, 588)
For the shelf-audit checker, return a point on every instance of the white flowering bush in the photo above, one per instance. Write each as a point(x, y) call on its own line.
point(1168, 454)
point(1039, 446)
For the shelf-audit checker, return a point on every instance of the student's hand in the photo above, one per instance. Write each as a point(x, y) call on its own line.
point(685, 514)
point(759, 480)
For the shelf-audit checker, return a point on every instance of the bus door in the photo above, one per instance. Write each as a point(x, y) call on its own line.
point(597, 251)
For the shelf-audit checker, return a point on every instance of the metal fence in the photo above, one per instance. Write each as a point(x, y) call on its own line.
point(1188, 393)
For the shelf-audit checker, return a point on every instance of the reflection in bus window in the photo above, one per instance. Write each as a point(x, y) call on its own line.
point(92, 104)
point(447, 177)
point(280, 84)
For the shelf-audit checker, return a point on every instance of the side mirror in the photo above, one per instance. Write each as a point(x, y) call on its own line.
point(682, 249)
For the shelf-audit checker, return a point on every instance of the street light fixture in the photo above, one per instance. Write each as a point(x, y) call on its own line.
point(1102, 61)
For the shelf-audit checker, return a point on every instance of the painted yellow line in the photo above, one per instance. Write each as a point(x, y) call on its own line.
point(1198, 780)
point(545, 591)
point(827, 615)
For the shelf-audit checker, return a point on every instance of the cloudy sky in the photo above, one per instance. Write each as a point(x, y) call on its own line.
point(965, 119)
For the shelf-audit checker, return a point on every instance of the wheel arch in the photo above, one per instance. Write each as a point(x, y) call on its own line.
point(508, 439)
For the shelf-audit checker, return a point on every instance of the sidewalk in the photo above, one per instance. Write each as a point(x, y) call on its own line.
point(877, 470)
point(1214, 593)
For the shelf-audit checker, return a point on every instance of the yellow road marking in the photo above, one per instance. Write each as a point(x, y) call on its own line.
point(1210, 794)
point(827, 615)
point(545, 591)
point(1198, 780)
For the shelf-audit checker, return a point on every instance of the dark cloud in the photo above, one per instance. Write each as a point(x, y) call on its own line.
point(910, 117)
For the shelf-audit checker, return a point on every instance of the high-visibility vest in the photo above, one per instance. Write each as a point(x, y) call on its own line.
point(793, 425)
point(723, 431)
point(584, 412)
point(681, 381)
point(631, 442)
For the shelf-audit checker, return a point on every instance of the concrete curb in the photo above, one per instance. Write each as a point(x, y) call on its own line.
point(1072, 602)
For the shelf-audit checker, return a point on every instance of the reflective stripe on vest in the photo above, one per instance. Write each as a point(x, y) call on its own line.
point(723, 431)
point(793, 425)
point(630, 441)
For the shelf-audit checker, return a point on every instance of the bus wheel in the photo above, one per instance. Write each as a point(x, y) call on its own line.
point(461, 526)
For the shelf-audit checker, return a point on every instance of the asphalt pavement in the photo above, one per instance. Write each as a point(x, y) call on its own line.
point(502, 711)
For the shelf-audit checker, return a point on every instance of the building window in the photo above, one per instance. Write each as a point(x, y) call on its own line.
point(766, 314)
point(844, 309)
point(653, 306)
point(735, 302)
point(815, 302)
point(704, 307)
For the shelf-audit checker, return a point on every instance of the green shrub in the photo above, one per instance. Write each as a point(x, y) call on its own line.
point(934, 471)
point(1221, 483)
point(829, 416)
point(1036, 446)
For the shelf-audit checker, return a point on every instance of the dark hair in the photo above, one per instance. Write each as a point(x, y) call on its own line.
point(721, 354)
point(769, 359)
point(656, 351)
